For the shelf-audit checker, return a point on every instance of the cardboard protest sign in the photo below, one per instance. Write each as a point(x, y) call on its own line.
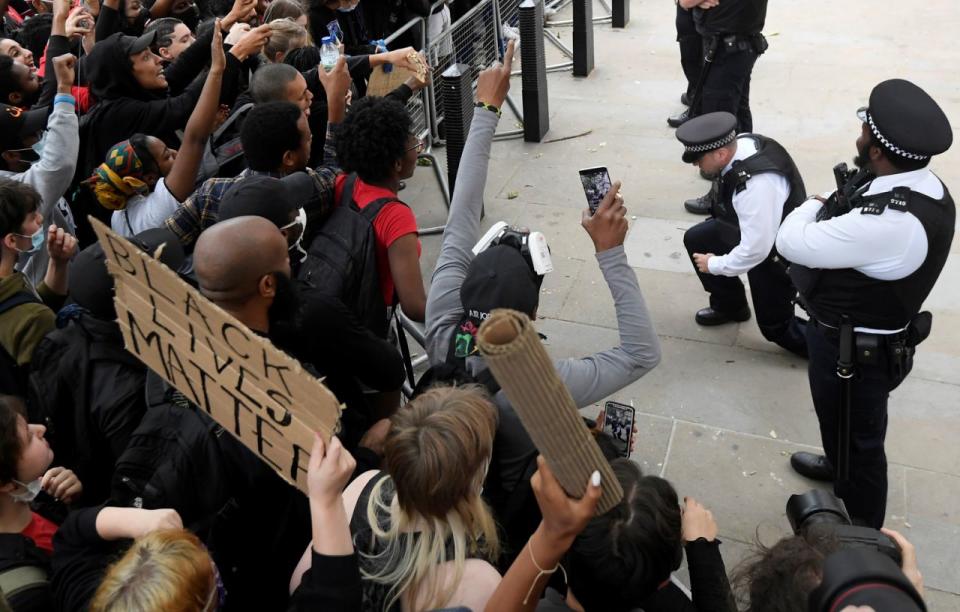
point(513, 351)
point(381, 83)
point(255, 391)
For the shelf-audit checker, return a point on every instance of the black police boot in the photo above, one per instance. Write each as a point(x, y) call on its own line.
point(813, 466)
point(709, 317)
point(703, 204)
point(685, 99)
point(678, 120)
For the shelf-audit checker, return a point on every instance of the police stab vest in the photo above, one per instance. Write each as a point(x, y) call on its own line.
point(732, 17)
point(770, 157)
point(870, 302)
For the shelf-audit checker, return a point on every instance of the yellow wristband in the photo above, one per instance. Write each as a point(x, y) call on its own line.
point(489, 107)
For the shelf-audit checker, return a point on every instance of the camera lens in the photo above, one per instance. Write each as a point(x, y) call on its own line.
point(815, 507)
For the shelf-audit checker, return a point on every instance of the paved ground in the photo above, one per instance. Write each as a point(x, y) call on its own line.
point(724, 409)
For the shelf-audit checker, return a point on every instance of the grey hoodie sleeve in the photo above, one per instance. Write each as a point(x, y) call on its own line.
point(463, 226)
point(51, 177)
point(595, 377)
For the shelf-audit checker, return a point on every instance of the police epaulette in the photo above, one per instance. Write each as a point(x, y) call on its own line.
point(898, 199)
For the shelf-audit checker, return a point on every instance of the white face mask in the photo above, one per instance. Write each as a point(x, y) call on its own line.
point(32, 489)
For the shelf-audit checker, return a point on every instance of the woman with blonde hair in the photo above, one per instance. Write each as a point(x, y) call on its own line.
point(285, 36)
point(423, 535)
point(164, 567)
point(164, 570)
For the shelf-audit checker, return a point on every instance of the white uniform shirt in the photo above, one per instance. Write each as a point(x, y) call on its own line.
point(888, 246)
point(759, 209)
point(144, 212)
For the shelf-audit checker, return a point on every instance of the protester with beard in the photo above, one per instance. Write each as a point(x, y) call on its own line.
point(276, 141)
point(324, 332)
point(50, 170)
point(243, 266)
point(864, 260)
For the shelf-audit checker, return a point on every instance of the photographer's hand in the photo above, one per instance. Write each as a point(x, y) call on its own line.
point(908, 556)
point(608, 226)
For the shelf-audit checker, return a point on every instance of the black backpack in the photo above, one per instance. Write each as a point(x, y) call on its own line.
point(13, 377)
point(58, 385)
point(24, 574)
point(342, 259)
point(175, 460)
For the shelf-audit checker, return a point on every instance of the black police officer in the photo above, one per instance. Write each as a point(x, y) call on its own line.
point(758, 185)
point(864, 261)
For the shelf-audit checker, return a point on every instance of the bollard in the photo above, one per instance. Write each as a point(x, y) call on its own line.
point(620, 13)
point(457, 96)
point(536, 114)
point(582, 37)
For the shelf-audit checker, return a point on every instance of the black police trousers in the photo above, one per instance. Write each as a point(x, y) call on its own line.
point(770, 287)
point(865, 495)
point(727, 84)
point(691, 49)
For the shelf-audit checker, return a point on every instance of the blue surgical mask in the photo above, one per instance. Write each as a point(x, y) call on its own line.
point(30, 492)
point(36, 241)
point(40, 144)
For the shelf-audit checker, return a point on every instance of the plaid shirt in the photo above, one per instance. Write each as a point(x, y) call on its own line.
point(202, 208)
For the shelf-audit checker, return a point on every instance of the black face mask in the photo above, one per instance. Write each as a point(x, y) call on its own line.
point(286, 303)
point(190, 17)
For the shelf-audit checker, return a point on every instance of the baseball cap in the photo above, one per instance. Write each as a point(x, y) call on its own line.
point(268, 197)
point(132, 45)
point(499, 277)
point(15, 123)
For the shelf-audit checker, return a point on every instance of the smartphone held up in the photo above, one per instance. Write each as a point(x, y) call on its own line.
point(618, 423)
point(596, 184)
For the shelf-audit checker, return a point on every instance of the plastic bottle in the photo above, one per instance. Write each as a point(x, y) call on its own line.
point(329, 53)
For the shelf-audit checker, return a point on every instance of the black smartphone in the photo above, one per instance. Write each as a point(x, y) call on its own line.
point(618, 422)
point(596, 183)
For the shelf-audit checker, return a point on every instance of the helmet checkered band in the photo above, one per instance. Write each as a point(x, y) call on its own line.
point(716, 144)
point(889, 145)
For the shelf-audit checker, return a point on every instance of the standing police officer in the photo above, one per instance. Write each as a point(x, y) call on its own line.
point(864, 261)
point(758, 185)
point(732, 42)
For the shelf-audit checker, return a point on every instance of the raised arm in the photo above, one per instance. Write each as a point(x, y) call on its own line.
point(595, 377)
point(563, 518)
point(183, 176)
point(463, 221)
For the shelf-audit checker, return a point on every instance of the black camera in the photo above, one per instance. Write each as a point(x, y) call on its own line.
point(822, 514)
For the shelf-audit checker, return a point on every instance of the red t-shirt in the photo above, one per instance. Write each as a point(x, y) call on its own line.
point(394, 221)
point(41, 531)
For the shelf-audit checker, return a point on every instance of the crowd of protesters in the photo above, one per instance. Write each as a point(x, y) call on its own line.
point(213, 131)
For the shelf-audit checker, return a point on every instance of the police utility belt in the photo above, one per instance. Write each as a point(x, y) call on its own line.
point(894, 349)
point(734, 42)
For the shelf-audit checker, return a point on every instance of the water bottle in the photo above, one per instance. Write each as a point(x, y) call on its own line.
point(329, 53)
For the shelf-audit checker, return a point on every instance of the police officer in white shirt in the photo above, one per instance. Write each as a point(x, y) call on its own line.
point(758, 185)
point(864, 260)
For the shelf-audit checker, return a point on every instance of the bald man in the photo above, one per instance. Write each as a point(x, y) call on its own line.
point(243, 266)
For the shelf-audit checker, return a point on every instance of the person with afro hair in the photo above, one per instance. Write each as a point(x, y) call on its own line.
point(377, 150)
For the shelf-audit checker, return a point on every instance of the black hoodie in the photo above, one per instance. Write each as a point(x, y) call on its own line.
point(124, 107)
